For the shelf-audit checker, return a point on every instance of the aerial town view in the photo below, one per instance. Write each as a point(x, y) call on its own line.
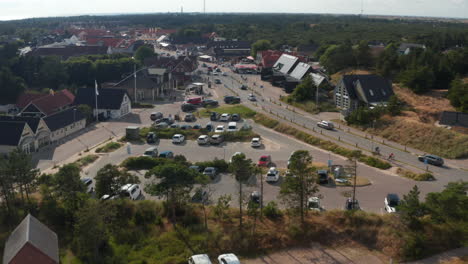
point(254, 132)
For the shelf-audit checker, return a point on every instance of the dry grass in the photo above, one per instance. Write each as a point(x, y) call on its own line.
point(456, 260)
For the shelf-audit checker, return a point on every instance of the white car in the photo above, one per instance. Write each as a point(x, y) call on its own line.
point(252, 97)
point(228, 259)
point(224, 73)
point(199, 259)
point(219, 129)
point(272, 175)
point(88, 182)
point(232, 127)
point(225, 117)
point(391, 202)
point(326, 124)
point(131, 191)
point(203, 140)
point(235, 154)
point(178, 138)
point(256, 142)
point(313, 203)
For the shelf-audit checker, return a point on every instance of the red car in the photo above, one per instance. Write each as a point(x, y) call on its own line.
point(264, 161)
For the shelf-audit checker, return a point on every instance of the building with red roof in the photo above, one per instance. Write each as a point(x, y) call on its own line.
point(47, 104)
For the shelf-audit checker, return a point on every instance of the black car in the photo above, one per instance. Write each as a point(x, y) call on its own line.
point(243, 87)
point(151, 138)
point(167, 120)
point(322, 177)
point(232, 99)
point(189, 118)
point(186, 127)
point(432, 159)
point(214, 116)
point(209, 102)
point(235, 117)
point(209, 127)
point(197, 127)
point(188, 107)
point(255, 197)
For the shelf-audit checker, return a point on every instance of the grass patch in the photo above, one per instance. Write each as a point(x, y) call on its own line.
point(86, 160)
point(243, 111)
point(109, 147)
point(310, 106)
point(426, 176)
point(265, 121)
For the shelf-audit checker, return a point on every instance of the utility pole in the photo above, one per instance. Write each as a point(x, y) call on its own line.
point(204, 6)
point(354, 186)
point(135, 77)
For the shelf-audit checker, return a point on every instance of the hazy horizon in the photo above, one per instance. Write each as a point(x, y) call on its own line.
point(22, 9)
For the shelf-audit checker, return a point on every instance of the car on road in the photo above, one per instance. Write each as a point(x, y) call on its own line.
point(272, 175)
point(256, 142)
point(216, 139)
point(326, 125)
point(166, 154)
point(232, 99)
point(203, 140)
point(199, 259)
point(151, 152)
point(243, 87)
point(431, 159)
point(156, 115)
point(178, 139)
point(88, 182)
point(185, 127)
point(235, 117)
point(210, 102)
point(232, 127)
point(322, 176)
point(200, 196)
point(391, 202)
point(188, 107)
point(252, 98)
point(264, 161)
point(214, 116)
point(211, 172)
point(235, 154)
point(215, 73)
point(217, 81)
point(225, 117)
point(189, 118)
point(225, 74)
point(351, 204)
point(151, 138)
point(131, 191)
point(219, 129)
point(228, 259)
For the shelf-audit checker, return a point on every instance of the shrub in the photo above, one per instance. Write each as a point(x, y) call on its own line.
point(241, 135)
point(143, 163)
point(265, 121)
point(142, 105)
point(109, 147)
point(272, 211)
point(146, 213)
point(415, 176)
point(375, 162)
point(86, 160)
point(219, 164)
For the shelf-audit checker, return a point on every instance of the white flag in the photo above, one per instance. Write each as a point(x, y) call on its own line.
point(95, 87)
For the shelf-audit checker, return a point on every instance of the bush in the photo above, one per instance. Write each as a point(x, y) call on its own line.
point(416, 176)
point(243, 111)
point(109, 147)
point(143, 163)
point(86, 160)
point(272, 211)
point(265, 121)
point(219, 164)
point(241, 135)
point(146, 213)
point(142, 105)
point(375, 162)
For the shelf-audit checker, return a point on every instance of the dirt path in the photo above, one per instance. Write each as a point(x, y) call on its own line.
point(319, 254)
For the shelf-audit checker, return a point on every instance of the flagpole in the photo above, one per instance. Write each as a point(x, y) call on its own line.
point(96, 94)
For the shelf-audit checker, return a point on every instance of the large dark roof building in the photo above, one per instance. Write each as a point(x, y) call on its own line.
point(31, 242)
point(111, 102)
point(63, 118)
point(12, 133)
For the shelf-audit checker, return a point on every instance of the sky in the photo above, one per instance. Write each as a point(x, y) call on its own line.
point(17, 9)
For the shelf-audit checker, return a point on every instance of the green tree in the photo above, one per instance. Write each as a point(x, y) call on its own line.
point(260, 45)
point(11, 86)
point(20, 166)
point(241, 168)
point(306, 90)
point(300, 183)
point(52, 73)
point(387, 63)
point(69, 189)
point(110, 179)
point(144, 52)
point(411, 208)
point(362, 55)
point(394, 105)
point(80, 71)
point(418, 79)
point(450, 205)
point(458, 95)
point(87, 111)
point(337, 57)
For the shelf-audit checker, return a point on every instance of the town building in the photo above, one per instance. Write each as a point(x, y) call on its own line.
point(112, 103)
point(44, 105)
point(407, 48)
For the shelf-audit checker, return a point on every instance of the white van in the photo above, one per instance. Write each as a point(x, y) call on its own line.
point(131, 191)
point(232, 127)
point(199, 259)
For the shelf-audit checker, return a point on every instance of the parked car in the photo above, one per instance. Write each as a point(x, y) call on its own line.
point(225, 74)
point(326, 124)
point(166, 154)
point(322, 176)
point(232, 127)
point(313, 203)
point(432, 159)
point(235, 117)
point(131, 191)
point(88, 182)
point(211, 172)
point(188, 107)
point(203, 140)
point(168, 120)
point(243, 87)
point(214, 116)
point(200, 196)
point(151, 138)
point(391, 202)
point(216, 139)
point(225, 117)
point(175, 126)
point(256, 142)
point(195, 168)
point(210, 102)
point(161, 125)
point(217, 81)
point(264, 161)
point(232, 99)
point(219, 129)
point(151, 152)
point(209, 127)
point(272, 175)
point(228, 259)
point(197, 126)
point(199, 259)
point(352, 205)
point(185, 127)
point(255, 197)
point(178, 139)
point(252, 98)
point(189, 118)
point(156, 115)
